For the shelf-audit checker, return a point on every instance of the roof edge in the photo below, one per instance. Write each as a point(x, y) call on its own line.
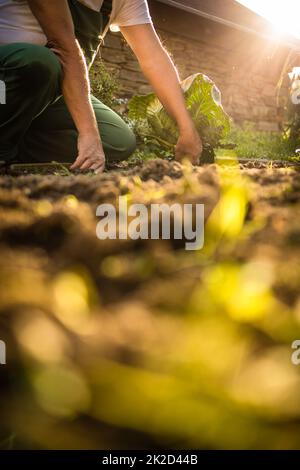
point(292, 45)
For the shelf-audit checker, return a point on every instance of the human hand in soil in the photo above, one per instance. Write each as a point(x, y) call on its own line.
point(189, 146)
point(90, 154)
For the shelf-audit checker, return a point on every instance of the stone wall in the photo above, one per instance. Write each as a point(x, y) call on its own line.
point(245, 68)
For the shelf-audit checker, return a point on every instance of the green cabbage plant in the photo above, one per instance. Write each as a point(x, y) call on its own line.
point(203, 100)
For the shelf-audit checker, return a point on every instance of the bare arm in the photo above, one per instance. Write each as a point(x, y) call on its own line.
point(159, 69)
point(55, 19)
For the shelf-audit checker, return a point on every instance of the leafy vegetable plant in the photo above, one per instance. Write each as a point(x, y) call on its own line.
point(203, 100)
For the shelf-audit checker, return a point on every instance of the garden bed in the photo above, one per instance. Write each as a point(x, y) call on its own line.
point(117, 344)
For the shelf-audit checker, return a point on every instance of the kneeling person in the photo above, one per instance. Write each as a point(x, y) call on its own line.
point(45, 48)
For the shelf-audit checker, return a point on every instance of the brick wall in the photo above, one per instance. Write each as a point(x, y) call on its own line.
point(245, 69)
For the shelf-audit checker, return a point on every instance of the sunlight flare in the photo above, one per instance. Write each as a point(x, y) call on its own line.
point(283, 15)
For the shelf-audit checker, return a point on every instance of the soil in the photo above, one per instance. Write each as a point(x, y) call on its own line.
point(142, 344)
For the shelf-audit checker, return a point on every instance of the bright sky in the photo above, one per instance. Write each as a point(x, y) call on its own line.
point(284, 14)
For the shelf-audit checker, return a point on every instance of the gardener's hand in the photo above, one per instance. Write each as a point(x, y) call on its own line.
point(90, 154)
point(189, 146)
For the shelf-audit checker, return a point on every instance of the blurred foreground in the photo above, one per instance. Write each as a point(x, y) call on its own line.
point(140, 344)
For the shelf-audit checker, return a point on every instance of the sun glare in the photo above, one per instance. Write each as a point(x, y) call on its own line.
point(284, 15)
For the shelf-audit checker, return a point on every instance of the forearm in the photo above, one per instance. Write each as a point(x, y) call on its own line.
point(55, 19)
point(164, 78)
point(76, 90)
point(160, 71)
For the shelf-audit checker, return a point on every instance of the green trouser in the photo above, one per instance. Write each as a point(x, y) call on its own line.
point(35, 124)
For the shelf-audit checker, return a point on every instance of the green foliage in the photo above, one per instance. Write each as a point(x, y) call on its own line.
point(149, 151)
point(203, 100)
point(293, 116)
point(250, 143)
point(104, 85)
point(289, 80)
point(294, 125)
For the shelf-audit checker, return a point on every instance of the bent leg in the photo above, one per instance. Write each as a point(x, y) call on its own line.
point(32, 76)
point(119, 141)
point(53, 135)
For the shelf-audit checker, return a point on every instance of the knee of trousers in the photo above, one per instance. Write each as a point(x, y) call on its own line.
point(126, 144)
point(38, 66)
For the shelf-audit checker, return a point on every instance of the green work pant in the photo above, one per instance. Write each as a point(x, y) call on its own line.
point(35, 124)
